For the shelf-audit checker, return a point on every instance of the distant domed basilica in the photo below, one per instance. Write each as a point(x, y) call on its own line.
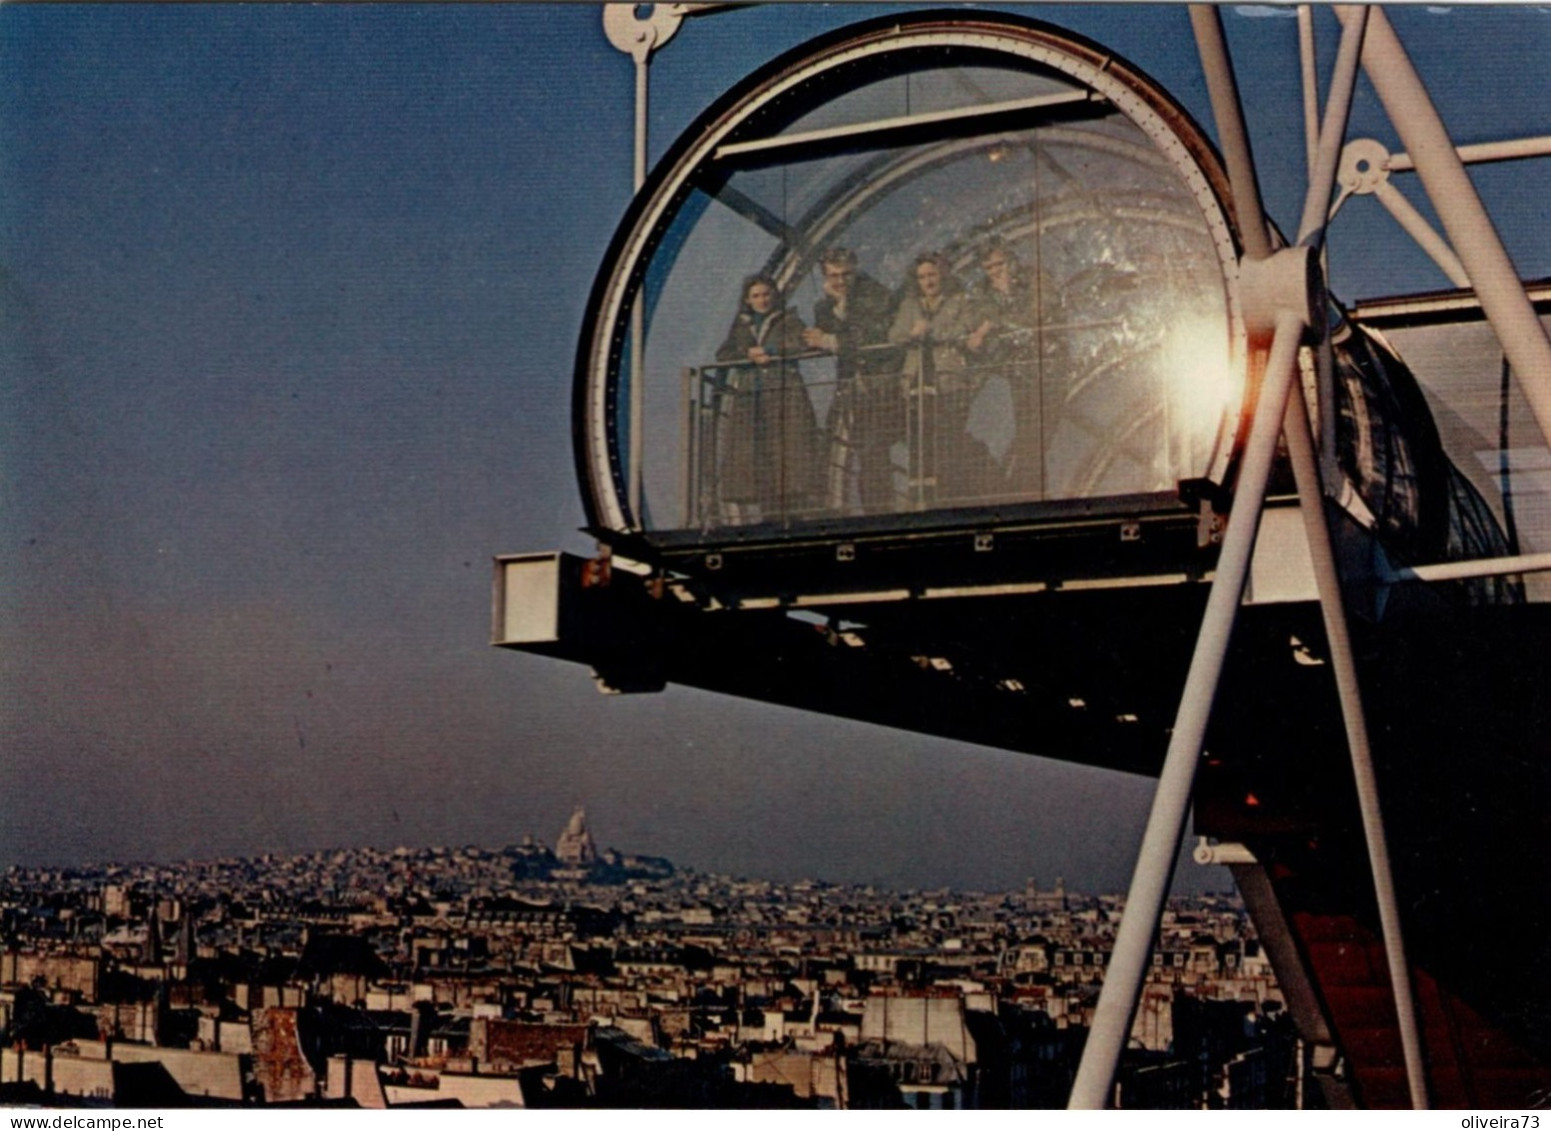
point(576, 857)
point(575, 847)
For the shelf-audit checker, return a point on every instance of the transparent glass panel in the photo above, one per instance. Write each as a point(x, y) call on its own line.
point(1029, 315)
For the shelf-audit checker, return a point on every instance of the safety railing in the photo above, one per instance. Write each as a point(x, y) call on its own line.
point(810, 436)
point(903, 428)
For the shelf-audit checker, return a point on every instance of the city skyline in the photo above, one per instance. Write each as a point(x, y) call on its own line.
point(290, 300)
point(559, 850)
point(613, 863)
point(520, 977)
point(553, 845)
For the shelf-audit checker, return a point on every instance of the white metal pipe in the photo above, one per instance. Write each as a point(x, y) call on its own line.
point(1469, 228)
point(1322, 173)
point(1300, 450)
point(1462, 571)
point(1423, 233)
point(637, 315)
point(1306, 59)
point(1482, 153)
point(641, 63)
point(883, 125)
point(1132, 954)
point(1324, 159)
point(704, 9)
point(1208, 854)
point(1231, 134)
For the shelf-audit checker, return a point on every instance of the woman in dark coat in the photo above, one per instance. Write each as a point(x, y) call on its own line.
point(770, 442)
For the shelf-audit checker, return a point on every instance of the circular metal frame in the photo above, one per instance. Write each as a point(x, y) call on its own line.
point(809, 76)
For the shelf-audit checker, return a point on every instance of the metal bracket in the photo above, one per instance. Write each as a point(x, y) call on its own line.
point(1365, 170)
point(1285, 282)
point(640, 29)
point(1208, 852)
point(1364, 166)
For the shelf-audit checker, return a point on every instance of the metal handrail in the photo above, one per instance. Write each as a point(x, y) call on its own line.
point(711, 395)
point(713, 389)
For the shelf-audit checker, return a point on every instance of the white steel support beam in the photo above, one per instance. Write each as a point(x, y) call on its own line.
point(1482, 153)
point(1327, 156)
point(1306, 61)
point(1470, 229)
point(637, 308)
point(1223, 89)
point(1324, 361)
point(873, 128)
point(1422, 232)
point(1280, 292)
point(1463, 571)
point(1300, 450)
point(1132, 954)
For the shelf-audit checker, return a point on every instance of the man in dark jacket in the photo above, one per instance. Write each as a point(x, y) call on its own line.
point(866, 418)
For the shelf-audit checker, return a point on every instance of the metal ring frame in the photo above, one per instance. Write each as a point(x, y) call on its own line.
point(807, 77)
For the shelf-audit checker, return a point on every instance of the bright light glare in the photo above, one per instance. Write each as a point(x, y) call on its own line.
point(1203, 383)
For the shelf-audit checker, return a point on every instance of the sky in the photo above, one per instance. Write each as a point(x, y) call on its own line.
point(289, 301)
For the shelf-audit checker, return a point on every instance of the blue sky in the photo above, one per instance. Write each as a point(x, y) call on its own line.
point(290, 297)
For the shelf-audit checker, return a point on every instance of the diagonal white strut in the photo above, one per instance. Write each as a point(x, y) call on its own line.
point(1327, 155)
point(1470, 229)
point(1417, 227)
point(1310, 82)
point(1128, 964)
point(1165, 824)
point(1154, 869)
point(1222, 88)
point(1300, 450)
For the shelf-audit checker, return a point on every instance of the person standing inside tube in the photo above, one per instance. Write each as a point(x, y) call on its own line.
point(769, 442)
point(1006, 310)
point(937, 326)
point(851, 321)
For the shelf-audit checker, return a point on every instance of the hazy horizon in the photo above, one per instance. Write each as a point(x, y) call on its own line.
point(290, 297)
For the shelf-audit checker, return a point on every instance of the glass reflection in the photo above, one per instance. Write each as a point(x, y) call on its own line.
point(1032, 315)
